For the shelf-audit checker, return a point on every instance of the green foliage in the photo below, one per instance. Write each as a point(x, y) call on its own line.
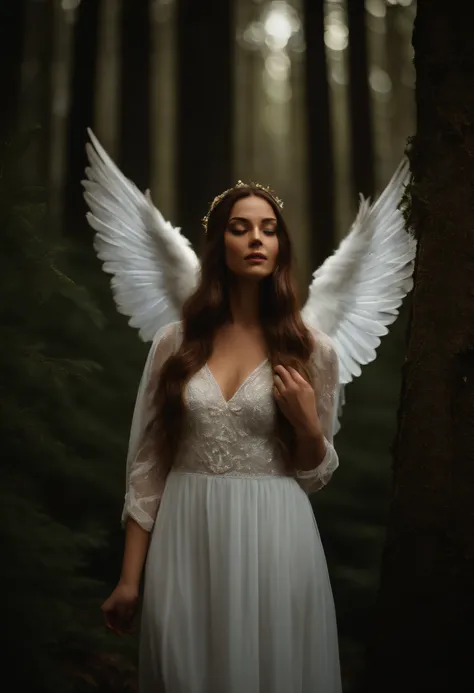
point(63, 448)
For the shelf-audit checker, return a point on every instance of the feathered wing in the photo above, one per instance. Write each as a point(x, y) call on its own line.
point(153, 265)
point(356, 293)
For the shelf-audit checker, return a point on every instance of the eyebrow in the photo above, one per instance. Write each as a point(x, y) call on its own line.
point(247, 221)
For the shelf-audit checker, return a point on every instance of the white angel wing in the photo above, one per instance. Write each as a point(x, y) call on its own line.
point(356, 293)
point(154, 266)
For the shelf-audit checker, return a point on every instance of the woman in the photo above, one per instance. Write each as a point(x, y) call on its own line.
point(236, 409)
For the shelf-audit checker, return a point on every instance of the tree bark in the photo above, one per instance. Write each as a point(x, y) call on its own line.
point(320, 148)
point(205, 108)
point(86, 36)
point(135, 154)
point(422, 639)
point(362, 146)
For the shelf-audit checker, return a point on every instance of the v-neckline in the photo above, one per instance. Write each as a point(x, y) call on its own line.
point(250, 375)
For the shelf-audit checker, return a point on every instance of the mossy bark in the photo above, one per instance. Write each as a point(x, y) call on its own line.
point(423, 629)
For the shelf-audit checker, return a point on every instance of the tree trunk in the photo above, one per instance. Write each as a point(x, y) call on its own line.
point(135, 145)
point(422, 640)
point(205, 108)
point(36, 92)
point(402, 103)
point(86, 35)
point(12, 34)
point(362, 146)
point(320, 149)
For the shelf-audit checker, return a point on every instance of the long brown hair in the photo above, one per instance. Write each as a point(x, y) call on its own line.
point(288, 340)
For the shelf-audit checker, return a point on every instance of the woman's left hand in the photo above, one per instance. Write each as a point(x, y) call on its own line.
point(296, 399)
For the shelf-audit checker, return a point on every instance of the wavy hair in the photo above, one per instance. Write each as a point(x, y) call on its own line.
point(288, 340)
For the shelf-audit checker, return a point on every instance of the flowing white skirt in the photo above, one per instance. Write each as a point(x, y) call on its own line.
point(237, 595)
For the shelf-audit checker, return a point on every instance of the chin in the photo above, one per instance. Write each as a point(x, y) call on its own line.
point(252, 273)
point(257, 272)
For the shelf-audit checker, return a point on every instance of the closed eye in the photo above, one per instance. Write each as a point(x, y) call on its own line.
point(238, 231)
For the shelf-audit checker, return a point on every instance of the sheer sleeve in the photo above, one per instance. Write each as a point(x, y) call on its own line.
point(145, 477)
point(325, 379)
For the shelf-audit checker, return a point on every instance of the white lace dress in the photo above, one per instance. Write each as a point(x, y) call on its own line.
point(237, 597)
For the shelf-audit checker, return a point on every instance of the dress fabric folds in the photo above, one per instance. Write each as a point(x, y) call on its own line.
point(237, 597)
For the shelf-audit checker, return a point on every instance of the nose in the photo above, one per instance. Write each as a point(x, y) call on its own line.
point(255, 236)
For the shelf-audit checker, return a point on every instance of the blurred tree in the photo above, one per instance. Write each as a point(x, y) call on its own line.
point(36, 92)
point(400, 71)
point(135, 144)
point(86, 36)
point(12, 35)
point(205, 37)
point(320, 156)
point(422, 639)
point(362, 146)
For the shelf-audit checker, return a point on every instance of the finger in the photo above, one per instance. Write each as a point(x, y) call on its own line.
point(113, 622)
point(112, 627)
point(114, 630)
point(283, 374)
point(107, 620)
point(278, 385)
point(297, 377)
point(117, 628)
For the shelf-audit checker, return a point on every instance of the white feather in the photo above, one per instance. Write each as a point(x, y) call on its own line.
point(356, 293)
point(353, 298)
point(154, 266)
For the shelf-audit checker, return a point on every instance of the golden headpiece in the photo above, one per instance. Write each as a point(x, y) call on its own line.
point(240, 184)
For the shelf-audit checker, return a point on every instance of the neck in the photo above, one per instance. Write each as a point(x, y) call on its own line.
point(244, 304)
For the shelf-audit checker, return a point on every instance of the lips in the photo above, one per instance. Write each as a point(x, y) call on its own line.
point(256, 256)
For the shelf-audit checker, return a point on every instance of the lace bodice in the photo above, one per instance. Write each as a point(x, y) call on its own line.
point(233, 438)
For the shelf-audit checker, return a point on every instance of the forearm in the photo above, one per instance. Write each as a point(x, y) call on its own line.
point(310, 450)
point(137, 541)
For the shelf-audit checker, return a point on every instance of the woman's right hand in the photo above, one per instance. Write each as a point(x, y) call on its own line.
point(120, 609)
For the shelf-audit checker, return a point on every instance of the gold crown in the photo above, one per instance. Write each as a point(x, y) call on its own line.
point(240, 184)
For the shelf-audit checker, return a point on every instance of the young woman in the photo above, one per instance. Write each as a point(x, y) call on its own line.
point(233, 428)
point(237, 596)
